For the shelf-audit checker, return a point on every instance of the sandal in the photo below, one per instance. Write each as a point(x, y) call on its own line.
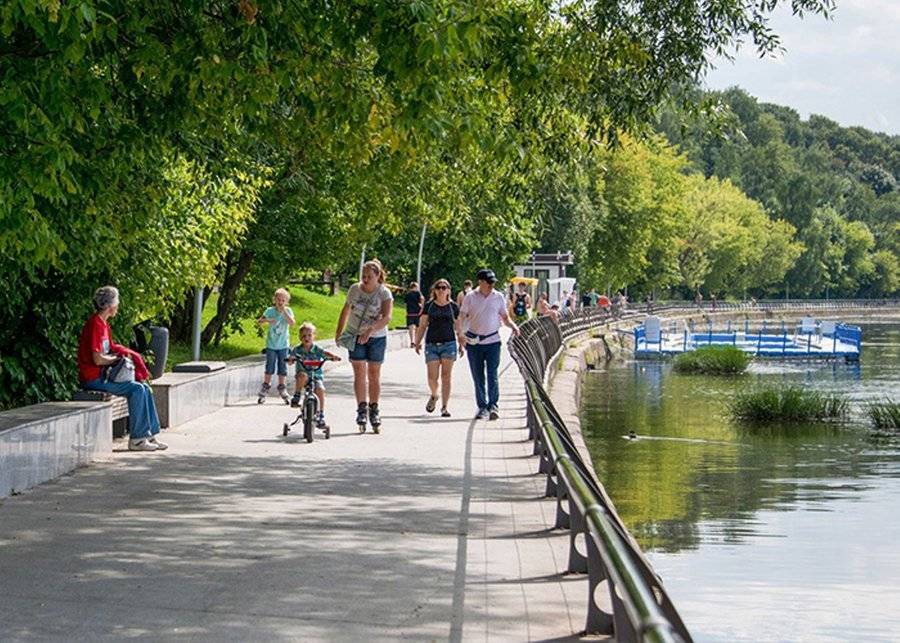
point(445, 413)
point(431, 403)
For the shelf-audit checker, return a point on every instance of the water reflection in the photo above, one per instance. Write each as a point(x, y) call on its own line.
point(728, 511)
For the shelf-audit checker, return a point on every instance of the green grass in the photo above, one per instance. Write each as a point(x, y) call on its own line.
point(884, 414)
point(308, 305)
point(713, 360)
point(787, 404)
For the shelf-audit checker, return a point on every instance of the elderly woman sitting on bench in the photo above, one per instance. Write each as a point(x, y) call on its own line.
point(96, 350)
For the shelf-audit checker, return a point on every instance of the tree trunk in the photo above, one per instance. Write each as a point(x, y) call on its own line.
point(236, 269)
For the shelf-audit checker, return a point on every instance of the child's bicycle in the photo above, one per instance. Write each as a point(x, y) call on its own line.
point(309, 403)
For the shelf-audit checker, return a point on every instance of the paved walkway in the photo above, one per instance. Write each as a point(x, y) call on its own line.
point(434, 530)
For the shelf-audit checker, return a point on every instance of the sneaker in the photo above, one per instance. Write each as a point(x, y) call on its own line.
point(445, 413)
point(295, 401)
point(160, 446)
point(482, 414)
point(432, 401)
point(320, 421)
point(494, 415)
point(374, 416)
point(142, 444)
point(282, 391)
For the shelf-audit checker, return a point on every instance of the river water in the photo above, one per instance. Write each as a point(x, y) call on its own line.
point(782, 533)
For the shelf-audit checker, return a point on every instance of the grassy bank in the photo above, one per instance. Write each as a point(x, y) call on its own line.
point(884, 414)
point(308, 305)
point(787, 404)
point(713, 360)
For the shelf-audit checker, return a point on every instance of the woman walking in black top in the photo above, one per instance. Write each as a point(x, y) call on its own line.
point(437, 326)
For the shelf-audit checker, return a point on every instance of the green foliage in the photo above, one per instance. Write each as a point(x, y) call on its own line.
point(713, 360)
point(164, 145)
point(884, 414)
point(835, 185)
point(787, 404)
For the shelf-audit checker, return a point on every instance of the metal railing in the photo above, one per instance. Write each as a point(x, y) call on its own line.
point(641, 608)
point(773, 304)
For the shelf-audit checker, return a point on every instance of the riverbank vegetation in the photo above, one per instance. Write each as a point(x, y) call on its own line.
point(787, 404)
point(712, 360)
point(884, 414)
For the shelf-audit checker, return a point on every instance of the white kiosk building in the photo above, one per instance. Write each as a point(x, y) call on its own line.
point(548, 269)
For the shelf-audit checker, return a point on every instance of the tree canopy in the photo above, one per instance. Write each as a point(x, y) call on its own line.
point(164, 145)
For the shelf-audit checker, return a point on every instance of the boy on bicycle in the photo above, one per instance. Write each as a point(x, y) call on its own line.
point(307, 350)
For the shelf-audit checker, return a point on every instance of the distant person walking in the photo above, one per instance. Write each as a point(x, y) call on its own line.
point(437, 327)
point(414, 302)
point(520, 304)
point(483, 310)
point(467, 288)
point(362, 330)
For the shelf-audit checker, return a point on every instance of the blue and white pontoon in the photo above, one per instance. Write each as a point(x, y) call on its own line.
point(808, 339)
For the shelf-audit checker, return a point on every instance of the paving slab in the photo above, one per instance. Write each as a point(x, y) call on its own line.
point(434, 530)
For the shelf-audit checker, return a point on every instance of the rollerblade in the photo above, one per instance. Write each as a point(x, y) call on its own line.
point(295, 401)
point(282, 391)
point(361, 416)
point(263, 392)
point(374, 418)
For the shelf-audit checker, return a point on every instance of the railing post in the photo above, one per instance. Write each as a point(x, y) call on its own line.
point(563, 518)
point(578, 562)
point(598, 621)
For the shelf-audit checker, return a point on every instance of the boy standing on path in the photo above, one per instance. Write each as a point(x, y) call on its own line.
point(279, 318)
point(481, 312)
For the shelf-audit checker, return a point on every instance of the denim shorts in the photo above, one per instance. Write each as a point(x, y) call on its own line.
point(441, 350)
point(276, 357)
point(371, 351)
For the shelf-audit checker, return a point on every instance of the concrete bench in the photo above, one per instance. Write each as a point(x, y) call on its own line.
point(118, 408)
point(43, 441)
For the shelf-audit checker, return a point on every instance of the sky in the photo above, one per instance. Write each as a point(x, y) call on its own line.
point(846, 68)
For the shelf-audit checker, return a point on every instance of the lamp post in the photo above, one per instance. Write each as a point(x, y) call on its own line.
point(421, 246)
point(198, 314)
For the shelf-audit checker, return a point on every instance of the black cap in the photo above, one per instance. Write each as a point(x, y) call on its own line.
point(486, 275)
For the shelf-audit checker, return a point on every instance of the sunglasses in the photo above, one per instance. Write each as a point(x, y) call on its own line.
point(441, 287)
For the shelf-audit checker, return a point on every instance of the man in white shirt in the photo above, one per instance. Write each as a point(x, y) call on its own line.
point(481, 312)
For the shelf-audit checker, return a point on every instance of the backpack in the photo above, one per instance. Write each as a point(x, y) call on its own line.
point(520, 308)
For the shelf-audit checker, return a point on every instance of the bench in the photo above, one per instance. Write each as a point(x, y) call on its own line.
point(119, 408)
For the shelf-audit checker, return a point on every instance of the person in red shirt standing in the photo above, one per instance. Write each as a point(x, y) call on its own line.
point(96, 349)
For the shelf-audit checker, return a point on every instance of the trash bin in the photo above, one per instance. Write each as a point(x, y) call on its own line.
point(159, 344)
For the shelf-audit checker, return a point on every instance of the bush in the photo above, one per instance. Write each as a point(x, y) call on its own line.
point(884, 414)
point(713, 360)
point(787, 404)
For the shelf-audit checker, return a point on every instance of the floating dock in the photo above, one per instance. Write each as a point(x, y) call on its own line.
point(808, 340)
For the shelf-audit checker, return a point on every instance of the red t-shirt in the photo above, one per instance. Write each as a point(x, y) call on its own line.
point(95, 337)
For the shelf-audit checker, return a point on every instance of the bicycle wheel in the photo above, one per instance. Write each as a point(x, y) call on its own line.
point(309, 418)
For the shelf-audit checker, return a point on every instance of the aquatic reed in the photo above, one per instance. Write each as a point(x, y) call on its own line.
point(884, 414)
point(787, 404)
point(713, 360)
